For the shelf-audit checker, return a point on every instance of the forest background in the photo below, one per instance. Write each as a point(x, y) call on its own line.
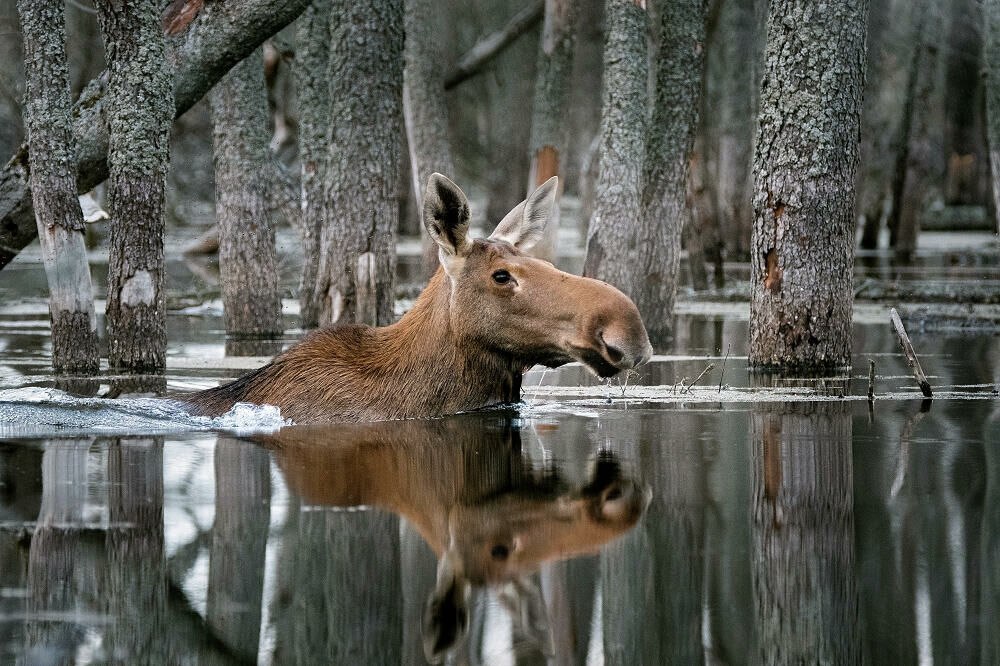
point(520, 98)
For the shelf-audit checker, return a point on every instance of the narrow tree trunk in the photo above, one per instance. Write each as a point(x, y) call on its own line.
point(53, 186)
point(548, 119)
point(614, 232)
point(357, 260)
point(991, 12)
point(140, 112)
point(679, 65)
point(247, 253)
point(425, 108)
point(313, 94)
point(222, 34)
point(875, 166)
point(805, 163)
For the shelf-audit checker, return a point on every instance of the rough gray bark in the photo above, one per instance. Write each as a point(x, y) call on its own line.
point(313, 95)
point(247, 253)
point(805, 589)
point(139, 116)
point(805, 163)
point(679, 63)
point(425, 108)
point(614, 234)
point(991, 13)
point(548, 118)
point(239, 540)
point(357, 248)
point(222, 35)
point(53, 186)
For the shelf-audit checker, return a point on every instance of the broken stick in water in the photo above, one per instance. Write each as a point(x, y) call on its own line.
point(911, 356)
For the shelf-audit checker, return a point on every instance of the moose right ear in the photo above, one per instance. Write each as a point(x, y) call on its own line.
point(446, 218)
point(446, 615)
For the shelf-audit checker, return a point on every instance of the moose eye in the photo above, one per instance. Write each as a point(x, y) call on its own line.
point(501, 276)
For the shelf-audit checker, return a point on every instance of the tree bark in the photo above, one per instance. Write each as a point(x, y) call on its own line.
point(614, 234)
point(425, 108)
point(679, 64)
point(247, 252)
point(313, 94)
point(548, 119)
point(875, 166)
point(991, 13)
point(222, 35)
point(53, 186)
point(357, 251)
point(139, 115)
point(804, 174)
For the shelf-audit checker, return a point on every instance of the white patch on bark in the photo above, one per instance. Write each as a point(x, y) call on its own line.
point(364, 277)
point(336, 305)
point(139, 290)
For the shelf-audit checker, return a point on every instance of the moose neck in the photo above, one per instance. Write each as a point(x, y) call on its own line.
point(440, 364)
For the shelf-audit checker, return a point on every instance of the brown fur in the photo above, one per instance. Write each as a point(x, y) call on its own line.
point(465, 343)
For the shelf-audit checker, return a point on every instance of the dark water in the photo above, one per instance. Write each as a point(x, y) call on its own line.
point(744, 520)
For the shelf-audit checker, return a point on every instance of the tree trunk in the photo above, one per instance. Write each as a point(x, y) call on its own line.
point(805, 163)
point(614, 232)
point(991, 13)
point(139, 113)
point(247, 253)
point(312, 90)
point(548, 119)
point(222, 35)
point(875, 166)
point(802, 545)
point(679, 65)
point(963, 129)
point(425, 109)
point(53, 187)
point(360, 206)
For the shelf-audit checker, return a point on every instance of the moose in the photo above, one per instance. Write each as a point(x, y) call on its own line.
point(489, 516)
point(489, 313)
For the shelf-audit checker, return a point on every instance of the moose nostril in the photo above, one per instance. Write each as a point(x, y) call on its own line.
point(499, 552)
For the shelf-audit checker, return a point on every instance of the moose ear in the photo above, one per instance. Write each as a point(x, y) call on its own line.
point(446, 218)
point(446, 615)
point(523, 226)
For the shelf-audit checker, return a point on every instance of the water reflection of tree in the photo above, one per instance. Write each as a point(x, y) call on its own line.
point(802, 545)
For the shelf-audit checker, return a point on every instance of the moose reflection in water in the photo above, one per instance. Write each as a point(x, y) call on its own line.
point(490, 313)
point(489, 517)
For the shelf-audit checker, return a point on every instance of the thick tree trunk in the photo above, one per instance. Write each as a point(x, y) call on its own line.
point(357, 251)
point(679, 65)
point(425, 108)
point(802, 545)
point(139, 114)
point(247, 253)
point(313, 95)
point(53, 186)
point(991, 12)
point(805, 164)
point(222, 35)
point(614, 232)
point(548, 119)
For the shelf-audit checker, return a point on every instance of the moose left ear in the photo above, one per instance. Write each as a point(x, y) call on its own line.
point(523, 226)
point(446, 218)
point(446, 614)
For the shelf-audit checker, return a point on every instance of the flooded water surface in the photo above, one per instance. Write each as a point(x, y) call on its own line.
point(693, 514)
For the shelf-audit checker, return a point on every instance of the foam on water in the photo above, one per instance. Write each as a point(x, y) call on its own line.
point(35, 412)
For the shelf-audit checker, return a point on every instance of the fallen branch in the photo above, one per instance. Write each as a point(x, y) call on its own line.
point(911, 356)
point(871, 380)
point(223, 34)
point(493, 44)
point(708, 369)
